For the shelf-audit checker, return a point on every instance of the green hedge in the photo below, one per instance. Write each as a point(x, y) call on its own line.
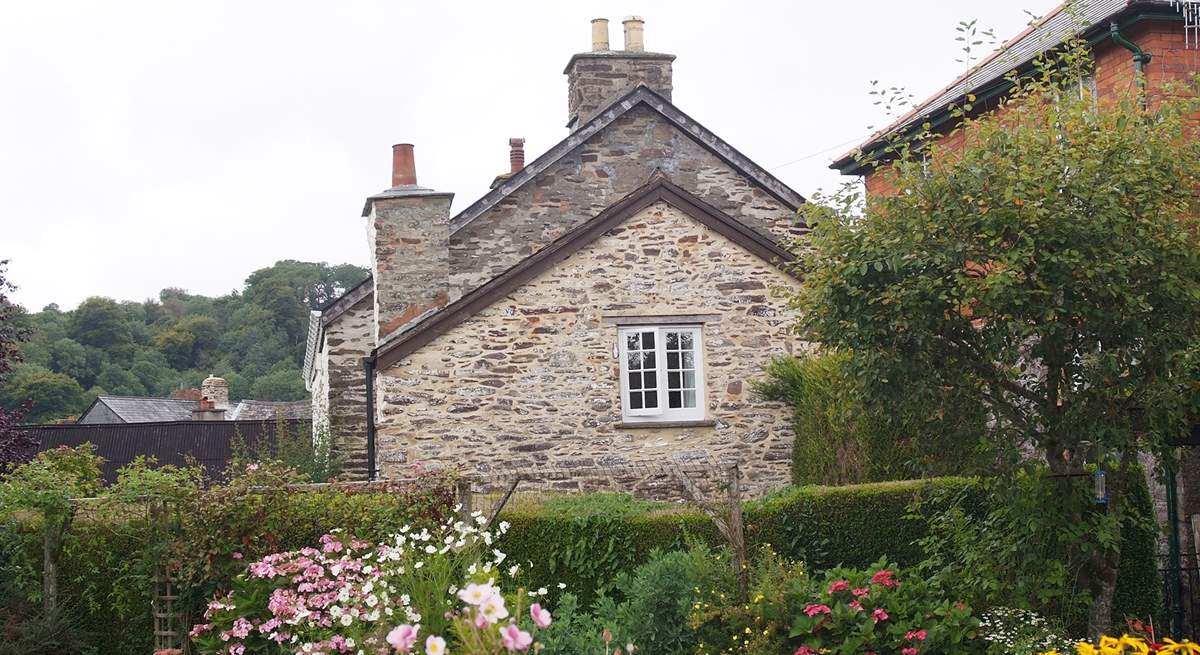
point(586, 548)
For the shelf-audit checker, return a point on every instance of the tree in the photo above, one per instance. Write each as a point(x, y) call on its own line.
point(49, 396)
point(102, 323)
point(70, 357)
point(1048, 269)
point(15, 444)
point(283, 382)
point(47, 485)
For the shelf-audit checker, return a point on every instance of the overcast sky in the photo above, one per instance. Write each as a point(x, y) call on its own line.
point(153, 144)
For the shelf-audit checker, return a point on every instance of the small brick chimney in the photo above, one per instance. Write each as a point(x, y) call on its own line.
point(516, 160)
point(409, 230)
point(600, 76)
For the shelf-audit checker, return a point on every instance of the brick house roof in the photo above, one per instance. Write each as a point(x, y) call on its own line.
point(988, 77)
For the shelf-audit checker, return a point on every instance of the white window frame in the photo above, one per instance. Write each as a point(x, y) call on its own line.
point(662, 413)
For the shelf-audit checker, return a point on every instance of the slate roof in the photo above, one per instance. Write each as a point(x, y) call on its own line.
point(265, 410)
point(137, 409)
point(1018, 53)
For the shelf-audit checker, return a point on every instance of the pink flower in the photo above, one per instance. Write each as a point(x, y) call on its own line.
point(856, 605)
point(200, 628)
point(481, 621)
point(240, 629)
point(884, 577)
point(541, 617)
point(515, 638)
point(915, 635)
point(814, 609)
point(236, 555)
point(804, 650)
point(236, 649)
point(402, 637)
point(909, 651)
point(879, 615)
point(859, 592)
point(840, 585)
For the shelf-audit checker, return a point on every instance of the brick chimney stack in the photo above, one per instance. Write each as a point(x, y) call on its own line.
point(597, 77)
point(409, 230)
point(516, 154)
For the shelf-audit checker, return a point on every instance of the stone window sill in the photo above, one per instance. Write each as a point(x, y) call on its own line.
point(643, 425)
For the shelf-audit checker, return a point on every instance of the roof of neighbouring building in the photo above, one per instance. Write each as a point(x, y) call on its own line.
point(137, 409)
point(1089, 18)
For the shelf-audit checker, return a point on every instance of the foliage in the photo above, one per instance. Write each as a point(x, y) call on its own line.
point(48, 482)
point(350, 596)
point(1013, 631)
point(254, 339)
point(308, 454)
point(1021, 553)
point(841, 440)
point(881, 610)
point(15, 445)
point(759, 624)
point(1047, 269)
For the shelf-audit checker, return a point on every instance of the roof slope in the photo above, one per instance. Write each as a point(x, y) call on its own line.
point(267, 410)
point(1017, 53)
point(658, 189)
point(136, 409)
point(639, 95)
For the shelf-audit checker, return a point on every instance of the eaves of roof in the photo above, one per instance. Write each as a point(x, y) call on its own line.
point(658, 189)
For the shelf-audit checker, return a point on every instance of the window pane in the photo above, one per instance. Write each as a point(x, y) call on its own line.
point(674, 399)
point(673, 360)
point(649, 379)
point(685, 341)
point(672, 341)
point(647, 341)
point(689, 398)
point(631, 341)
point(635, 380)
point(633, 361)
point(672, 380)
point(651, 399)
point(689, 360)
point(689, 379)
point(648, 360)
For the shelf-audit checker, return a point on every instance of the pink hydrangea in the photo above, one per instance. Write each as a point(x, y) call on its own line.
point(804, 650)
point(885, 578)
point(813, 609)
point(840, 585)
point(915, 635)
point(879, 614)
point(909, 651)
point(859, 592)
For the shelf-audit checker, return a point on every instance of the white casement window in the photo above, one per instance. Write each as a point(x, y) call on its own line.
point(662, 373)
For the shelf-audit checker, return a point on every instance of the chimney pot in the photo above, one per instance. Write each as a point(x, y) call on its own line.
point(404, 166)
point(599, 34)
point(516, 154)
point(633, 33)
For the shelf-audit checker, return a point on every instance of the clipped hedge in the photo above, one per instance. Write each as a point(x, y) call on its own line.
point(586, 548)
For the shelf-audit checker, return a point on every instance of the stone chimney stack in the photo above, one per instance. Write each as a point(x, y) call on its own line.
point(215, 390)
point(409, 230)
point(597, 77)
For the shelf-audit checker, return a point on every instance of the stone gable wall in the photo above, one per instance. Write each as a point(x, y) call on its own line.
point(348, 340)
point(601, 171)
point(532, 380)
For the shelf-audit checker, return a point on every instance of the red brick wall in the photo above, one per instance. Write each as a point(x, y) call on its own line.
point(1114, 76)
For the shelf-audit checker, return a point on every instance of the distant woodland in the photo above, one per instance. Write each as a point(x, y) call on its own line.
point(253, 338)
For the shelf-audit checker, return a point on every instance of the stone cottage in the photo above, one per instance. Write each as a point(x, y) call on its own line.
point(608, 303)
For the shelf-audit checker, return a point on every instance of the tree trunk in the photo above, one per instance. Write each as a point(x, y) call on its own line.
point(51, 550)
point(1104, 565)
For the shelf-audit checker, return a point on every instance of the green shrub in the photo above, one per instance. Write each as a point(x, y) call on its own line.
point(841, 440)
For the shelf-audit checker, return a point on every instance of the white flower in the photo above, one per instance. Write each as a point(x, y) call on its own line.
point(368, 586)
point(430, 549)
point(472, 568)
point(504, 526)
point(404, 598)
point(371, 600)
point(562, 585)
point(418, 565)
point(493, 608)
point(542, 591)
point(514, 570)
point(499, 555)
point(347, 619)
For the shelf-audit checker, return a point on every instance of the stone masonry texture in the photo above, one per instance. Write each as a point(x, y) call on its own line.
point(410, 257)
point(601, 171)
point(341, 379)
point(594, 79)
point(532, 381)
